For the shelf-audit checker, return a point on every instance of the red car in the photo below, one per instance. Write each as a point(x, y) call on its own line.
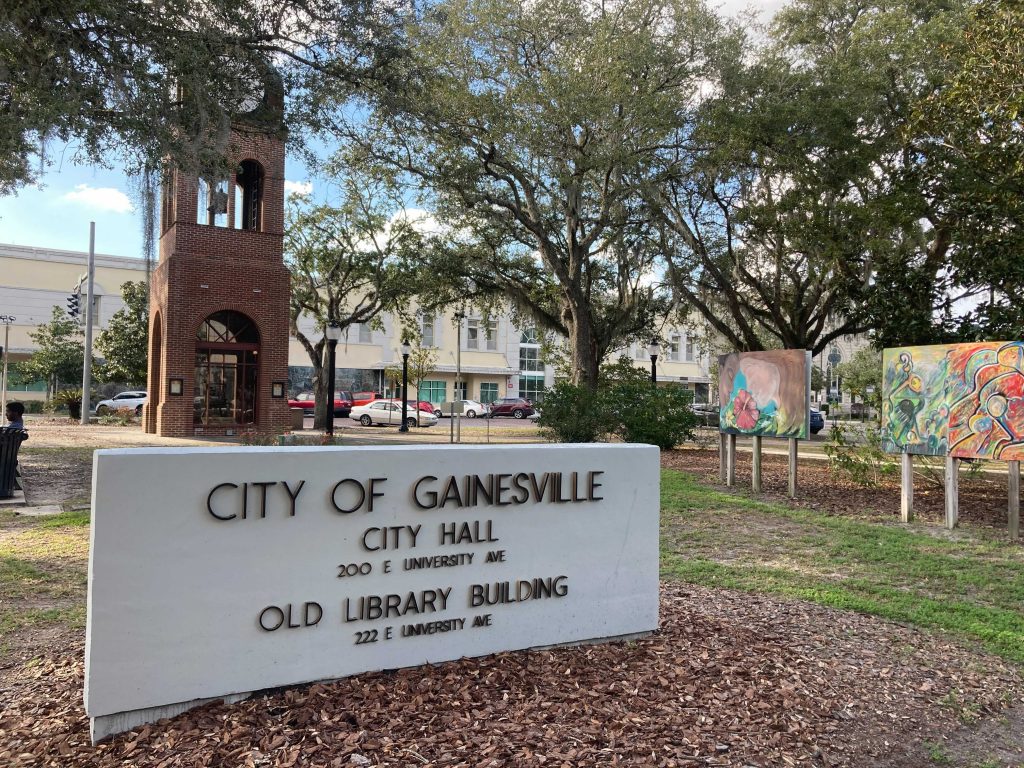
point(307, 402)
point(421, 405)
point(516, 407)
point(363, 398)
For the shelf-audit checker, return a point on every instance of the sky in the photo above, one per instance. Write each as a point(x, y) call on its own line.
point(56, 212)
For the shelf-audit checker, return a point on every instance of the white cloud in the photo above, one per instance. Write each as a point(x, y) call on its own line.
point(298, 187)
point(105, 199)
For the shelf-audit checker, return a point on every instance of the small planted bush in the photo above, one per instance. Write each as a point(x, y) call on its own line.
point(574, 413)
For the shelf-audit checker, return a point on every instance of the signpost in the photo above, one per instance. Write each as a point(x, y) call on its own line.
point(215, 572)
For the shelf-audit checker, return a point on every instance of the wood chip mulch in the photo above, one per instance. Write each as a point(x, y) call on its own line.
point(729, 680)
point(983, 496)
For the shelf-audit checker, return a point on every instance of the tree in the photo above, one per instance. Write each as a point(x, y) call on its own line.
point(529, 127)
point(59, 355)
point(796, 211)
point(349, 264)
point(973, 156)
point(124, 343)
point(862, 376)
point(139, 80)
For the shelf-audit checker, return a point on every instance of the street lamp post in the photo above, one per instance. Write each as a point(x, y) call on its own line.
point(333, 333)
point(6, 320)
point(654, 349)
point(406, 349)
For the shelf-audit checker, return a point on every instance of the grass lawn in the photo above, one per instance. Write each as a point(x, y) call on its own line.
point(967, 582)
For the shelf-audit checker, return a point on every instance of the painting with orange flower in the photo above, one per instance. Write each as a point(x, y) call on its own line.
point(915, 411)
point(765, 393)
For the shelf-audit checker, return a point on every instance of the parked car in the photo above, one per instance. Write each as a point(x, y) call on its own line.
point(470, 409)
point(707, 414)
point(133, 400)
point(365, 398)
point(389, 412)
point(307, 402)
point(420, 405)
point(516, 407)
point(817, 421)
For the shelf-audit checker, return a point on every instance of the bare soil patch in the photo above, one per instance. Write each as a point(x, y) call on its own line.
point(983, 499)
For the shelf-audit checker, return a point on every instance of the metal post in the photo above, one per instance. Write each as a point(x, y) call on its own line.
point(723, 456)
point(755, 476)
point(654, 369)
point(907, 488)
point(87, 364)
point(405, 392)
point(459, 317)
point(6, 320)
point(331, 351)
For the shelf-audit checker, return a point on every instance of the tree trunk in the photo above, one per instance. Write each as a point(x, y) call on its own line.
point(582, 349)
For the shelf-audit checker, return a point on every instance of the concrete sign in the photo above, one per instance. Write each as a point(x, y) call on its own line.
point(220, 571)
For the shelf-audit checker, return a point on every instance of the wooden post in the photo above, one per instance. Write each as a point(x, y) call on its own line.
point(792, 467)
point(952, 492)
point(730, 462)
point(755, 475)
point(1014, 506)
point(907, 489)
point(723, 455)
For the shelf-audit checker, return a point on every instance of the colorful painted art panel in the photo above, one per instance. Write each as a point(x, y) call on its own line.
point(765, 393)
point(986, 401)
point(915, 413)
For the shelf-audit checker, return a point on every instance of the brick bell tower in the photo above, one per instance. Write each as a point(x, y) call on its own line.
point(218, 312)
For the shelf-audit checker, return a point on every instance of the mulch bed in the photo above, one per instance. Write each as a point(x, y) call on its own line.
point(983, 497)
point(730, 679)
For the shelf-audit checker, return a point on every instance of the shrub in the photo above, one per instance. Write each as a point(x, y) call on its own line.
point(661, 416)
point(259, 437)
point(575, 413)
point(122, 417)
point(863, 463)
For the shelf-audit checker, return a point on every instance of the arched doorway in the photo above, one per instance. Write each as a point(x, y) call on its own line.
point(227, 352)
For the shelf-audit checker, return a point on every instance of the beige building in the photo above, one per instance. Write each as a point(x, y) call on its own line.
point(495, 357)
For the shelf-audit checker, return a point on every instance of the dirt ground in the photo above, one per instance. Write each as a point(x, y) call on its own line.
point(729, 679)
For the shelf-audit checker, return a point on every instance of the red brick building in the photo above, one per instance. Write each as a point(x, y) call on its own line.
point(218, 328)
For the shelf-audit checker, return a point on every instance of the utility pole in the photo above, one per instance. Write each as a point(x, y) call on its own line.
point(6, 320)
point(87, 364)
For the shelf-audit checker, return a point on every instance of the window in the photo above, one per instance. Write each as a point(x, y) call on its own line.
point(529, 359)
point(96, 309)
point(212, 205)
point(432, 391)
point(427, 331)
point(690, 352)
point(248, 196)
point(531, 388)
point(475, 329)
point(674, 344)
point(365, 334)
point(640, 352)
point(529, 336)
point(488, 392)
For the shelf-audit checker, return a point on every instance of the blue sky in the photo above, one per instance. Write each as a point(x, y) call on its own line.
point(57, 212)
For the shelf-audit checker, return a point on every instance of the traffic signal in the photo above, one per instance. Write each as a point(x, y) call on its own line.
point(74, 308)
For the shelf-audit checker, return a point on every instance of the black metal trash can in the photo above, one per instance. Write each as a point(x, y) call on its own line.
point(10, 442)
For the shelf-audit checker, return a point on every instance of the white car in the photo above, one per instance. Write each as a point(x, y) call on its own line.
point(388, 412)
point(470, 409)
point(133, 400)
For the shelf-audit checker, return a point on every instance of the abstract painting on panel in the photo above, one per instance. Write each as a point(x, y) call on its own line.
point(915, 413)
point(986, 400)
point(765, 393)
